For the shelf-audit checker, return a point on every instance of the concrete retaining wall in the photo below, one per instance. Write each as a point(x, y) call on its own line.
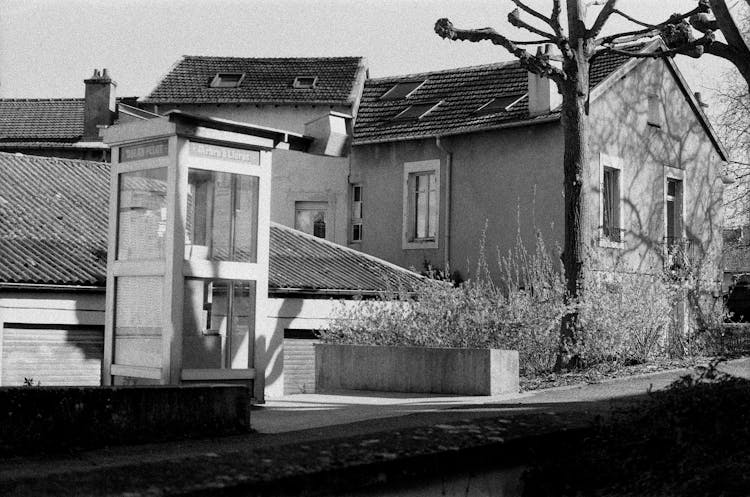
point(416, 369)
point(34, 419)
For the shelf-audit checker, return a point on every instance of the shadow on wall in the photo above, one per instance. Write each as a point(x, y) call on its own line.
point(658, 136)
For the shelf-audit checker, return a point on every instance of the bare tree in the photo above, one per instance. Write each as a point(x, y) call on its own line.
point(579, 45)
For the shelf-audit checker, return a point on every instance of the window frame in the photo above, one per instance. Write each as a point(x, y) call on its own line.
point(677, 175)
point(218, 80)
point(355, 208)
point(315, 205)
point(411, 170)
point(612, 163)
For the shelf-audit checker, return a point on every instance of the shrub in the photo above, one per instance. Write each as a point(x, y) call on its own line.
point(523, 313)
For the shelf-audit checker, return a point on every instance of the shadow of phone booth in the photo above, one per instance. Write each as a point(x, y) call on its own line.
point(187, 268)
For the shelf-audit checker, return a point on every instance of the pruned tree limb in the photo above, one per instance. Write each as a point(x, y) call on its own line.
point(602, 18)
point(532, 12)
point(693, 49)
point(555, 18)
point(537, 65)
point(702, 8)
point(514, 18)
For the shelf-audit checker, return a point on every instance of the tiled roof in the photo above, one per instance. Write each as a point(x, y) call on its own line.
point(53, 220)
point(461, 92)
point(266, 80)
point(53, 230)
point(301, 261)
point(41, 120)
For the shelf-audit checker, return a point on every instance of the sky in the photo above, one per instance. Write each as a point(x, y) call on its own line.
point(48, 47)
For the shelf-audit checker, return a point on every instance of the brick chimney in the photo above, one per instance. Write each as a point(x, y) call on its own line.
point(543, 94)
point(99, 104)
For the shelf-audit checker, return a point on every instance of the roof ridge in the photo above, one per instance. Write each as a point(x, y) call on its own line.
point(495, 65)
point(237, 57)
point(43, 158)
point(57, 99)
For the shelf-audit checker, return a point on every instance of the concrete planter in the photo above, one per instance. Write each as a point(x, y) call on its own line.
point(416, 369)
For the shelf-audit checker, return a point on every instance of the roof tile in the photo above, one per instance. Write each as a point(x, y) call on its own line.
point(53, 230)
point(267, 80)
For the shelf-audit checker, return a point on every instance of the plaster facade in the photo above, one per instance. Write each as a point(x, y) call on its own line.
point(512, 180)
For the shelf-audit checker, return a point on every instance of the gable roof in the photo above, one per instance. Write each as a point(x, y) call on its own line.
point(461, 93)
point(48, 122)
point(41, 120)
point(53, 231)
point(266, 80)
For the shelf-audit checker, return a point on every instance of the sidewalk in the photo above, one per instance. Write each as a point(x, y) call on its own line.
point(345, 436)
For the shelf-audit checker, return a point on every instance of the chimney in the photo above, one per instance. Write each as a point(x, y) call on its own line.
point(543, 94)
point(99, 104)
point(330, 134)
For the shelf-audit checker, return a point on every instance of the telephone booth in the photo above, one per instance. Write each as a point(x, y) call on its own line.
point(187, 268)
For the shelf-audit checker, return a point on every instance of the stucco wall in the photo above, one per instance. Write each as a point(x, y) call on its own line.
point(680, 146)
point(300, 177)
point(506, 179)
point(514, 177)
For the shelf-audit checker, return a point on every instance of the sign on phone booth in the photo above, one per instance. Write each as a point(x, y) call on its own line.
point(187, 266)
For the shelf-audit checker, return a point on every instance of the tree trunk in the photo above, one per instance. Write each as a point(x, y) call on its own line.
point(574, 121)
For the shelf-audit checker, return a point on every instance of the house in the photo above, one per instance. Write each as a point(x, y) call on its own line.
point(315, 96)
point(53, 237)
point(66, 127)
point(437, 156)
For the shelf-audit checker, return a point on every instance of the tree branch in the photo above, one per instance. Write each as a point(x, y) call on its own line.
point(693, 49)
point(702, 8)
point(602, 18)
point(529, 10)
point(514, 18)
point(537, 65)
point(555, 18)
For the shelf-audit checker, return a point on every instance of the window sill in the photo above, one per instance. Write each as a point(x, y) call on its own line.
point(607, 243)
point(416, 244)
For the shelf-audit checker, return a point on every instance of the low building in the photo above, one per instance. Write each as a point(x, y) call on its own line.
point(53, 237)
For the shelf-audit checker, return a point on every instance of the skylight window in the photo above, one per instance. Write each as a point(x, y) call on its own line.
point(499, 104)
point(402, 90)
point(305, 82)
point(416, 111)
point(227, 80)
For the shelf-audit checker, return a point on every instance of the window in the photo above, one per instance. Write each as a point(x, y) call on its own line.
point(304, 82)
point(356, 214)
point(311, 218)
point(421, 204)
point(416, 111)
point(402, 90)
point(227, 80)
point(499, 104)
point(610, 214)
point(222, 213)
point(673, 214)
point(142, 212)
point(654, 111)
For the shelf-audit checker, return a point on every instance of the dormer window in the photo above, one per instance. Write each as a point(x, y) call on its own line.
point(402, 90)
point(227, 80)
point(499, 104)
point(416, 111)
point(305, 82)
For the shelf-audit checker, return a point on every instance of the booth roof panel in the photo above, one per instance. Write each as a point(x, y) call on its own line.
point(53, 230)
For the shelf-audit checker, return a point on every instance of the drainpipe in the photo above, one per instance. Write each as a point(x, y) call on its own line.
point(447, 223)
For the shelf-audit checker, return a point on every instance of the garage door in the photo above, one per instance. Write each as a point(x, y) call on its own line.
point(59, 355)
point(299, 361)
